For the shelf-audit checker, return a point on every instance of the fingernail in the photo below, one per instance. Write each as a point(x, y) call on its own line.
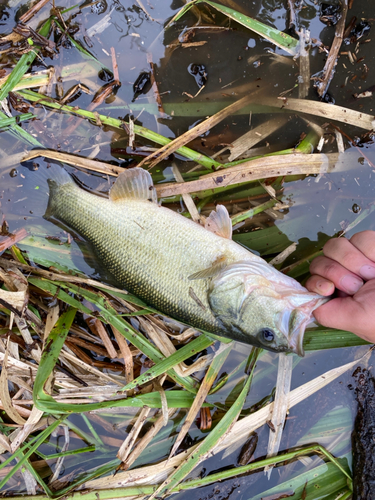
point(351, 284)
point(368, 272)
point(325, 287)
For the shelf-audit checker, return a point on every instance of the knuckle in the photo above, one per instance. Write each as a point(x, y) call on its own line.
point(316, 264)
point(324, 267)
point(358, 238)
point(347, 258)
point(330, 268)
point(333, 244)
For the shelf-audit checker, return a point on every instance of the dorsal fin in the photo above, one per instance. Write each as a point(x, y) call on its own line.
point(219, 222)
point(135, 184)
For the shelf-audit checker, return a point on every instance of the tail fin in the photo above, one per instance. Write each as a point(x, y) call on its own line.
point(56, 177)
point(44, 179)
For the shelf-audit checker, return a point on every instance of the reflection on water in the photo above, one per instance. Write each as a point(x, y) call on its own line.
point(237, 62)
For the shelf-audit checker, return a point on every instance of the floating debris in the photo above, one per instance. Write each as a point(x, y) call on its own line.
point(199, 72)
point(248, 449)
point(330, 14)
point(99, 7)
point(361, 30)
point(142, 84)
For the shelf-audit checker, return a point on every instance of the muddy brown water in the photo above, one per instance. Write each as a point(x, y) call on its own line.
point(234, 58)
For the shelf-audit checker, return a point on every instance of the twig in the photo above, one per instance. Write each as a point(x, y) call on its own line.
point(116, 76)
point(195, 132)
point(154, 84)
point(331, 62)
point(304, 65)
point(188, 200)
point(126, 354)
point(11, 239)
point(327, 111)
point(144, 10)
point(292, 14)
point(25, 18)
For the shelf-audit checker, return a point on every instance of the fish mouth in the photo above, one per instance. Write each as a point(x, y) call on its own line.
point(296, 340)
point(298, 321)
point(292, 324)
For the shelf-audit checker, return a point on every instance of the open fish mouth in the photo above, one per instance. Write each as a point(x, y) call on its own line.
point(296, 340)
point(298, 321)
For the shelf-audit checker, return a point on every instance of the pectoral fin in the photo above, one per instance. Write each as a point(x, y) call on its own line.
point(211, 271)
point(219, 222)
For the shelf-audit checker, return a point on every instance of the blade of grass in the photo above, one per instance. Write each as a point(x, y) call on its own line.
point(275, 36)
point(38, 478)
point(22, 65)
point(279, 38)
point(280, 406)
point(220, 357)
point(116, 123)
point(50, 355)
point(175, 399)
point(80, 48)
point(248, 214)
point(21, 134)
point(316, 449)
point(110, 316)
point(216, 435)
point(328, 338)
point(41, 437)
point(77, 451)
point(6, 122)
point(188, 350)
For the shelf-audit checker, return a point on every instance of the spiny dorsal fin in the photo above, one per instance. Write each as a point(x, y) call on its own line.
point(211, 271)
point(219, 222)
point(135, 184)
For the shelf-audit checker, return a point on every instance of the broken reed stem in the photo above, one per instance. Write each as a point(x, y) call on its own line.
point(25, 18)
point(261, 168)
point(11, 239)
point(322, 109)
point(195, 132)
point(126, 354)
point(329, 67)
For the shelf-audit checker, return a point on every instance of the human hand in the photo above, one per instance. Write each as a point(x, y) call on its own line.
point(348, 266)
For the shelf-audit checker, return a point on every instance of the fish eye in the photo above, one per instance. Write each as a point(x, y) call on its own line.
point(267, 334)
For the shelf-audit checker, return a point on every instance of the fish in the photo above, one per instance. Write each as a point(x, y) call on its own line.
point(191, 272)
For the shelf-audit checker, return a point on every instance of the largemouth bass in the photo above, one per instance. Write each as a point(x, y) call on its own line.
point(195, 274)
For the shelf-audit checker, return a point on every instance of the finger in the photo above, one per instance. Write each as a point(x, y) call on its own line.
point(355, 314)
point(331, 270)
point(365, 242)
point(318, 284)
point(349, 256)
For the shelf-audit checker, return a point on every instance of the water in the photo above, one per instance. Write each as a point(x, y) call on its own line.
point(236, 60)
